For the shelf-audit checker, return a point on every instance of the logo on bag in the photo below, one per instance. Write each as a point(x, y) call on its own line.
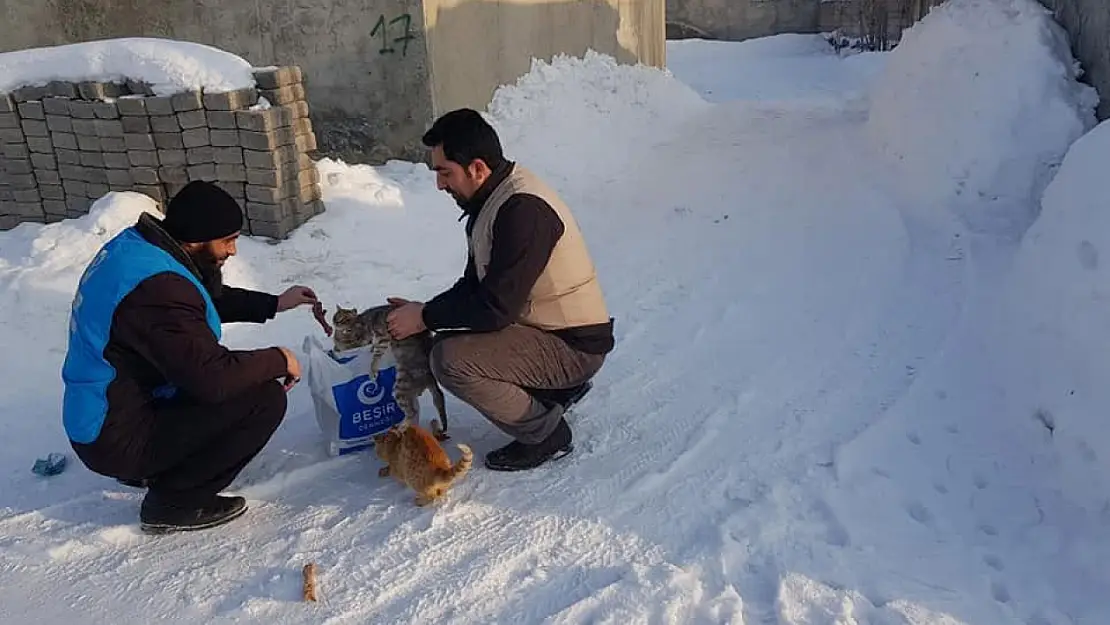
point(366, 406)
point(370, 393)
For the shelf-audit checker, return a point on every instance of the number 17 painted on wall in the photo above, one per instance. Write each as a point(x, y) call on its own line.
point(382, 28)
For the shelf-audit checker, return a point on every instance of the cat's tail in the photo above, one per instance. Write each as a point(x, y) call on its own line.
point(461, 466)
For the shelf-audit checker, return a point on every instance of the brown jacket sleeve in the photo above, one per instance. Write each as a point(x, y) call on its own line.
point(237, 305)
point(164, 320)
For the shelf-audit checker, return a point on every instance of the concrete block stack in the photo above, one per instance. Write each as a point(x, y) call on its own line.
point(19, 195)
point(281, 185)
point(65, 145)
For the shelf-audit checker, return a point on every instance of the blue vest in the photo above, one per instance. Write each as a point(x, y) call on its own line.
point(115, 271)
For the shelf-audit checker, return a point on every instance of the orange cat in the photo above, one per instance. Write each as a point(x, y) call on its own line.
point(414, 456)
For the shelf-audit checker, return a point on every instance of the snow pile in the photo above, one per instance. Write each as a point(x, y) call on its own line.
point(1001, 444)
point(977, 106)
point(169, 66)
point(620, 110)
point(61, 247)
point(1056, 349)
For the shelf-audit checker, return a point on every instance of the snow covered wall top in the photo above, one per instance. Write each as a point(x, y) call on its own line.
point(151, 115)
point(168, 66)
point(978, 123)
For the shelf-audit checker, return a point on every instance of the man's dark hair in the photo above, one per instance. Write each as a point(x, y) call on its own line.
point(465, 136)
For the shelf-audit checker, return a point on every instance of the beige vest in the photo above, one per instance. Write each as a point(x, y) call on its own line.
point(567, 293)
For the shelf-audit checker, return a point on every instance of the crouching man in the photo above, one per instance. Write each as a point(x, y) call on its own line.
point(151, 396)
point(534, 324)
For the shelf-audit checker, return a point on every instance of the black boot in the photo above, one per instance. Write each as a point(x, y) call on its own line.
point(159, 516)
point(518, 456)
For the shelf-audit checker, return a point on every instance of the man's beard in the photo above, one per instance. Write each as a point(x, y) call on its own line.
point(211, 274)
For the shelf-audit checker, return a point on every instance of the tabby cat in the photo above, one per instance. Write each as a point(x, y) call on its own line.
point(414, 457)
point(414, 374)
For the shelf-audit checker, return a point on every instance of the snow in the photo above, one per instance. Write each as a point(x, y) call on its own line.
point(169, 66)
point(805, 66)
point(1052, 331)
point(1001, 110)
point(841, 393)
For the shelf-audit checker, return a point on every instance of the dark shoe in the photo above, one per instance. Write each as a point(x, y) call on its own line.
point(518, 456)
point(160, 517)
point(565, 397)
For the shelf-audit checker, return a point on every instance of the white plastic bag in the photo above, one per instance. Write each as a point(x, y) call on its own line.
point(350, 406)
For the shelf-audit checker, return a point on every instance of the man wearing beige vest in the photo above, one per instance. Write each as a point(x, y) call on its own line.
point(522, 333)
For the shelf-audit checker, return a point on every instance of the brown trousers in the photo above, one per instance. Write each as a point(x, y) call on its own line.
point(492, 370)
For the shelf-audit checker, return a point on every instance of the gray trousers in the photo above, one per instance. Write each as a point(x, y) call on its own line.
point(490, 371)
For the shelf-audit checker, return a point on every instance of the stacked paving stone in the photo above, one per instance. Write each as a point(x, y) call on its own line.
point(64, 145)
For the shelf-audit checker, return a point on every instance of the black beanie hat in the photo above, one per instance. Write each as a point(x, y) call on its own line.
point(202, 212)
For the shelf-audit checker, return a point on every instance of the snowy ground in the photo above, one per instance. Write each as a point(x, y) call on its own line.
point(850, 385)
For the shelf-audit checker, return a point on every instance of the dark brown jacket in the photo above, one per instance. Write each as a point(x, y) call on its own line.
point(159, 336)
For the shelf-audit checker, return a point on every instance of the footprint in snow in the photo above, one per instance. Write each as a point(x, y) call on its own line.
point(918, 512)
point(834, 533)
point(1086, 452)
point(994, 562)
point(1088, 255)
point(881, 473)
point(999, 592)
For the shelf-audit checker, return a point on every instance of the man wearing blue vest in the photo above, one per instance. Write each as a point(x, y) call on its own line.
point(151, 396)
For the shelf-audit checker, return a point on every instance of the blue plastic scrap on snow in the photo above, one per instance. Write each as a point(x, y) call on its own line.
point(53, 464)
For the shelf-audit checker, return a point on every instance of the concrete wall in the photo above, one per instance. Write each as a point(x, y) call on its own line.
point(1088, 26)
point(736, 20)
point(367, 82)
point(366, 62)
point(475, 46)
point(856, 18)
point(65, 145)
point(744, 19)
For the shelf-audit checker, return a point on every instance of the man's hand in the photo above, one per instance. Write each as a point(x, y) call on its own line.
point(295, 296)
point(406, 318)
point(292, 369)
